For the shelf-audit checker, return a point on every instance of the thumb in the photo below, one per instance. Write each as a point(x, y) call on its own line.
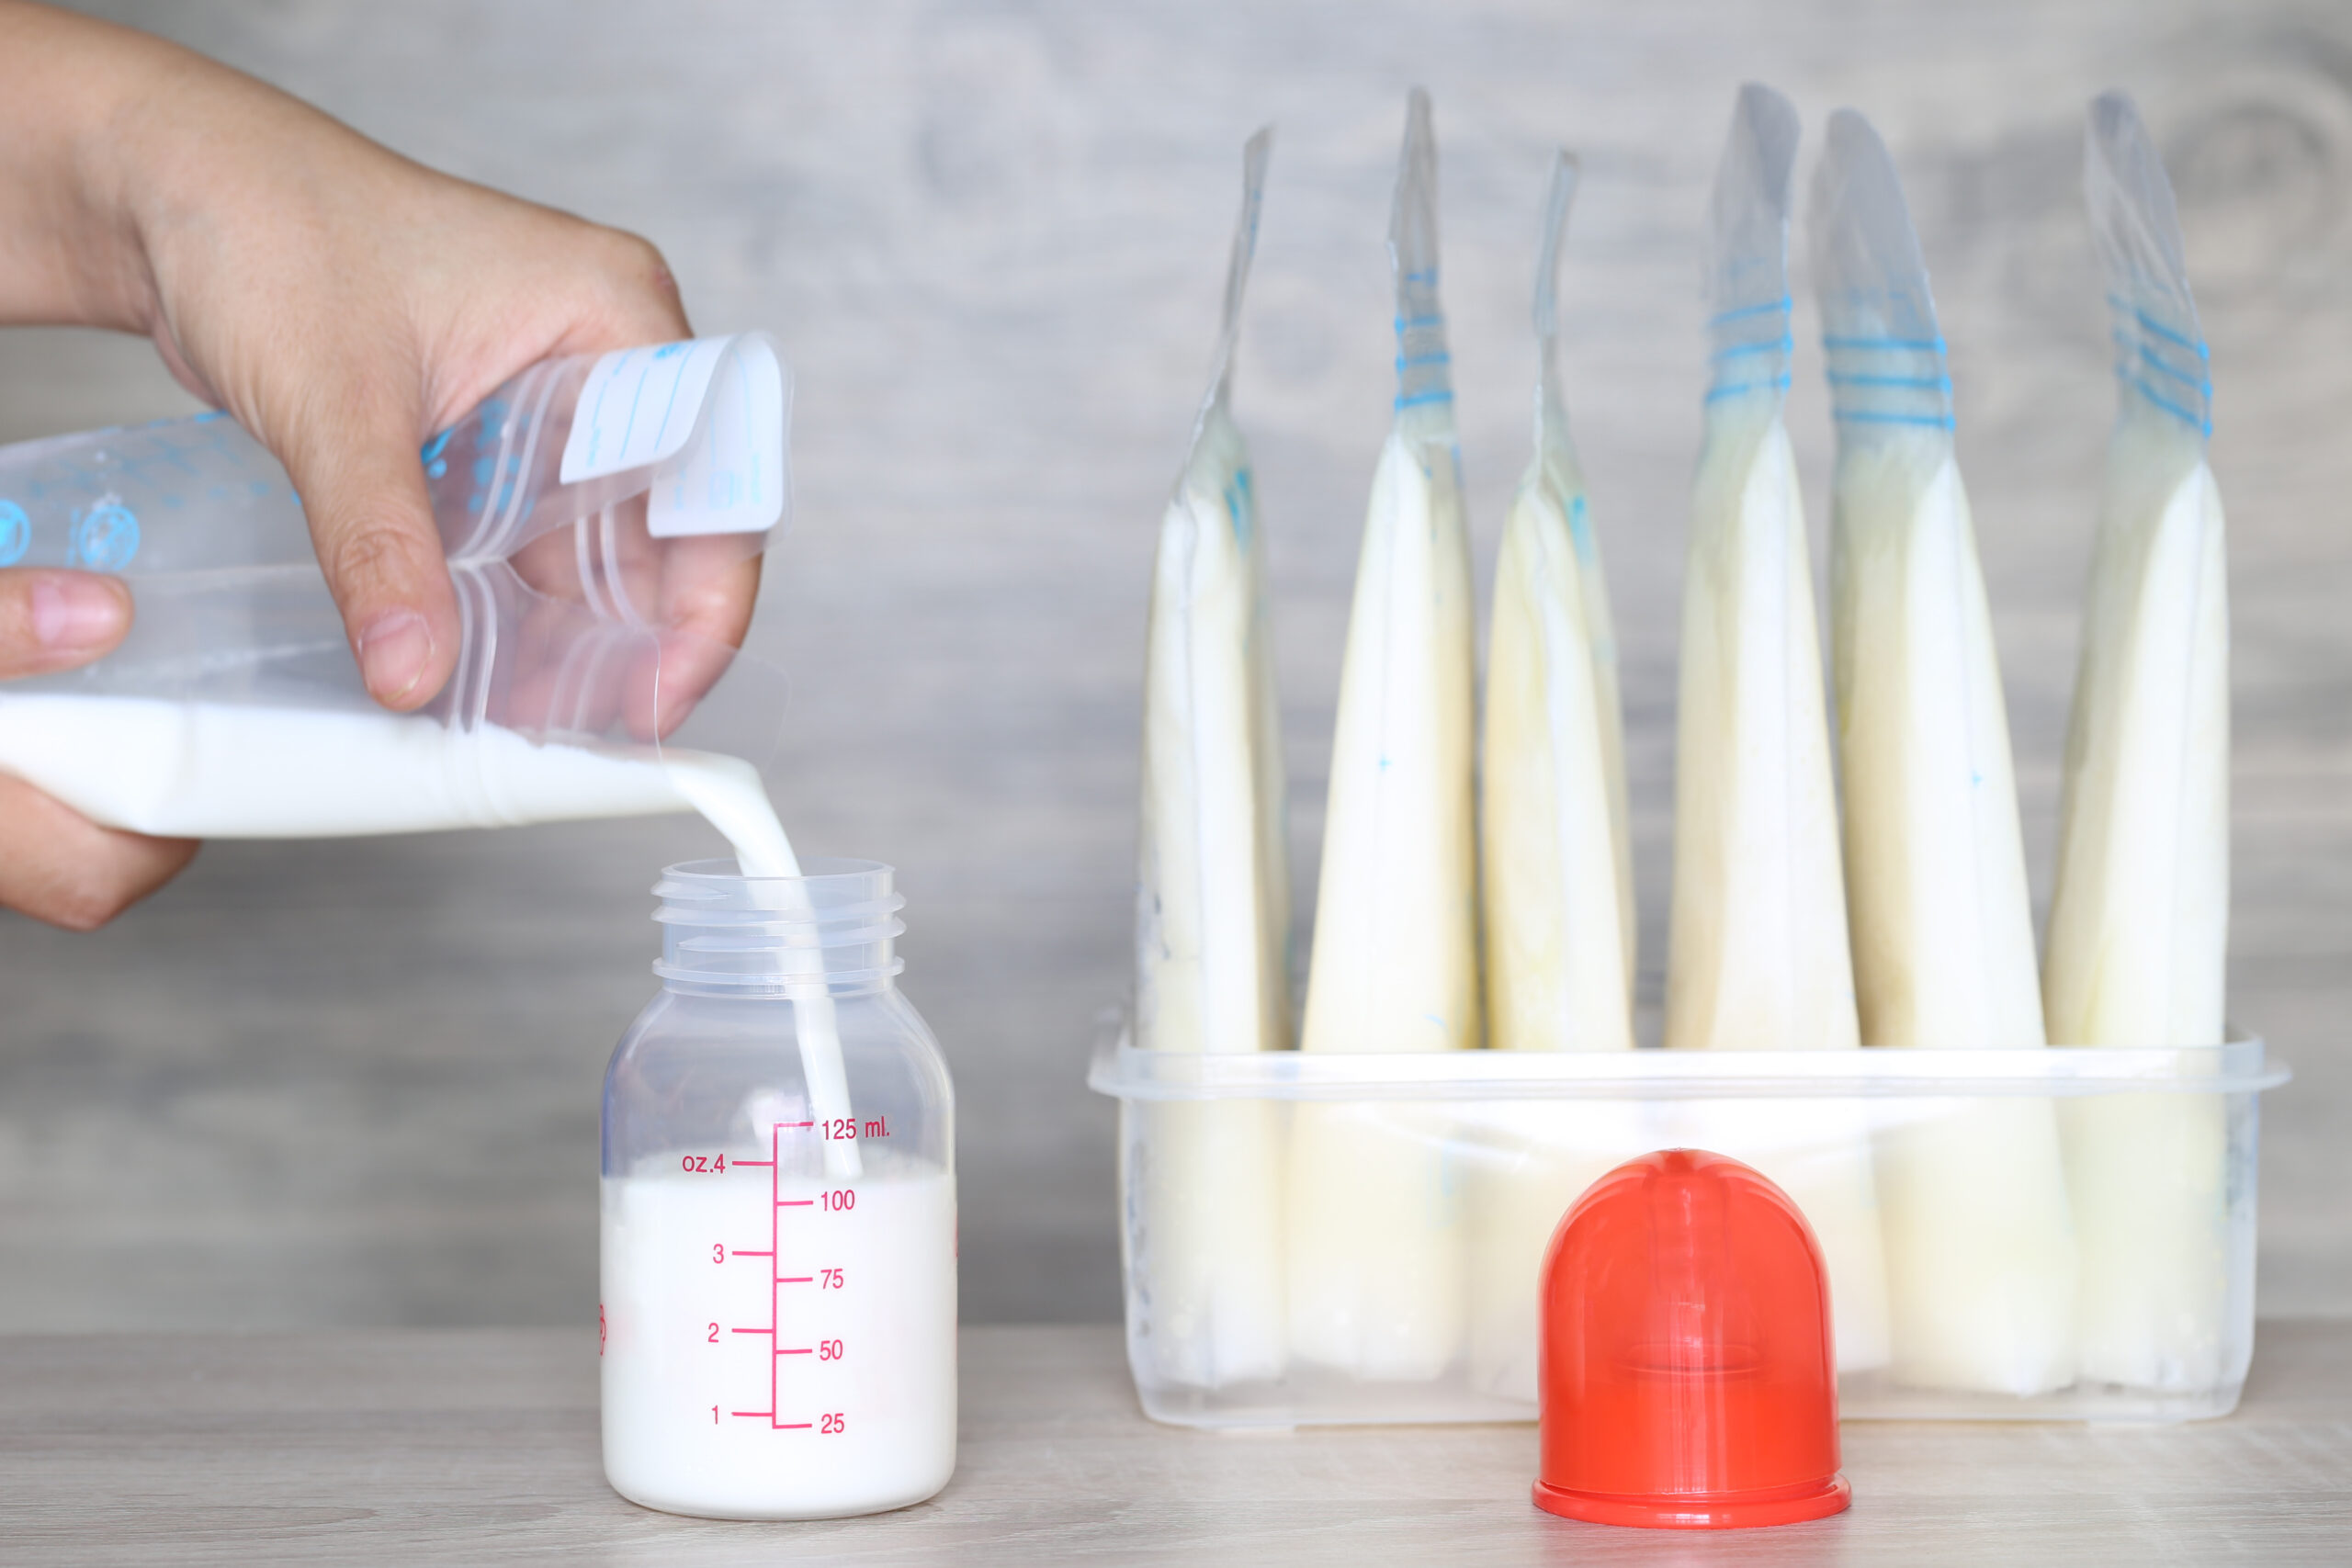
point(363, 490)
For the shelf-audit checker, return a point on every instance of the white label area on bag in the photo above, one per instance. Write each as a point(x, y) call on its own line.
point(708, 414)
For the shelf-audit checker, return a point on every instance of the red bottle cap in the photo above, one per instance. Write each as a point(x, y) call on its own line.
point(1685, 1367)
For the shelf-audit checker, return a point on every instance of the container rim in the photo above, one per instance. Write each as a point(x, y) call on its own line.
point(818, 871)
point(1123, 1072)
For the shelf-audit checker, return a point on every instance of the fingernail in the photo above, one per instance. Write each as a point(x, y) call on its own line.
point(393, 652)
point(72, 613)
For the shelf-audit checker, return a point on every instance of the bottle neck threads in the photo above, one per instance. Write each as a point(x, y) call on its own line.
point(830, 931)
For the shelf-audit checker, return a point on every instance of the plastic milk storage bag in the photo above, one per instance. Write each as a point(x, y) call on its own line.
point(1376, 1232)
point(2139, 923)
point(1212, 902)
point(1759, 958)
point(1980, 1249)
point(582, 507)
point(1555, 874)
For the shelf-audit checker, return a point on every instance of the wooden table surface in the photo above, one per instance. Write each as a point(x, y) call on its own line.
point(479, 1446)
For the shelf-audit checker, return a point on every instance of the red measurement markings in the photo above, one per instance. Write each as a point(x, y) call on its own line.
point(747, 1252)
point(776, 1244)
point(776, 1199)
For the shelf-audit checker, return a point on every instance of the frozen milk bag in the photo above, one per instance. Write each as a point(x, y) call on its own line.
point(1556, 870)
point(582, 507)
point(1211, 899)
point(1980, 1247)
point(1375, 1241)
point(2139, 923)
point(1757, 957)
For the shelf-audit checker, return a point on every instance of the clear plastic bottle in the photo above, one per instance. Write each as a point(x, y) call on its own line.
point(779, 1312)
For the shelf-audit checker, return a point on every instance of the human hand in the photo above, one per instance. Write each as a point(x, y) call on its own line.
point(55, 863)
point(342, 302)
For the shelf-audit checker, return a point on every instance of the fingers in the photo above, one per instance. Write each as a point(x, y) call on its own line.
point(56, 865)
point(565, 286)
point(703, 624)
point(356, 471)
point(57, 620)
point(708, 594)
point(706, 610)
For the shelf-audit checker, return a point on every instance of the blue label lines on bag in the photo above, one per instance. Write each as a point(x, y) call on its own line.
point(638, 407)
point(105, 536)
point(1749, 349)
point(1580, 530)
point(1734, 388)
point(15, 533)
point(708, 415)
point(1880, 379)
point(435, 465)
point(1240, 506)
point(1784, 343)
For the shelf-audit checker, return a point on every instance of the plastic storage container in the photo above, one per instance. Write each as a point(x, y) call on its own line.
point(779, 1312)
point(1522, 1134)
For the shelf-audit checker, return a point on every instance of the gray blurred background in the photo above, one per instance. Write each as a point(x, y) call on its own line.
point(356, 1083)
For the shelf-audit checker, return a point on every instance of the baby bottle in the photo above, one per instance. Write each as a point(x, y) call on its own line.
point(779, 1315)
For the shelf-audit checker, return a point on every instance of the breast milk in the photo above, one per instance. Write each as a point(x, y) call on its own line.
point(221, 770)
point(1555, 874)
point(1980, 1246)
point(1375, 1215)
point(1759, 958)
point(2139, 921)
point(672, 1436)
point(1212, 899)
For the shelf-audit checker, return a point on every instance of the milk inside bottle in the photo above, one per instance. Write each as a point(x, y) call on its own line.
point(579, 507)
